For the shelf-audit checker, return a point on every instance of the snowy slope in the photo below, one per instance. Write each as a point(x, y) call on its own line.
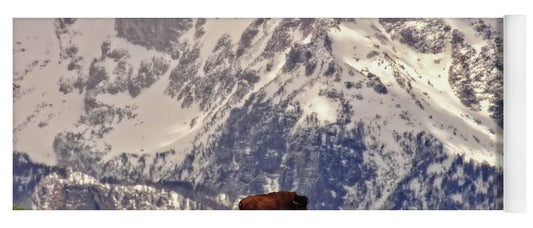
point(430, 84)
point(356, 114)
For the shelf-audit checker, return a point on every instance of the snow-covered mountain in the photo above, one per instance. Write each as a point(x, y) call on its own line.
point(196, 113)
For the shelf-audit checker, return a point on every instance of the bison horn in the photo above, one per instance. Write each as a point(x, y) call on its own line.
point(299, 201)
point(294, 202)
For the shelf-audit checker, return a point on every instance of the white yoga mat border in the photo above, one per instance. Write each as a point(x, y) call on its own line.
point(514, 132)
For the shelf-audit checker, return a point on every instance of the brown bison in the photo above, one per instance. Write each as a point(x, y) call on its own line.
point(281, 200)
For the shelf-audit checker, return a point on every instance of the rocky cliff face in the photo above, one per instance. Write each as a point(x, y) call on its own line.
point(196, 113)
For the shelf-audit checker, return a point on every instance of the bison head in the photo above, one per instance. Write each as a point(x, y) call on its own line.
point(282, 200)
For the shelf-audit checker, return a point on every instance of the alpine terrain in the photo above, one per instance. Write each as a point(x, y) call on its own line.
point(198, 113)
